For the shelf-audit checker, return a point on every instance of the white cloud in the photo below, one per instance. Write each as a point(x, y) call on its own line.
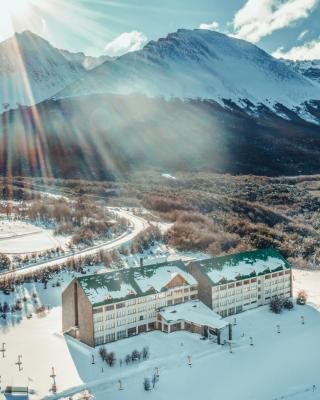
point(126, 42)
point(302, 34)
point(210, 27)
point(308, 51)
point(257, 19)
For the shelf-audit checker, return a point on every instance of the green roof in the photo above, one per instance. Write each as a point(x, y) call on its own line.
point(116, 286)
point(237, 266)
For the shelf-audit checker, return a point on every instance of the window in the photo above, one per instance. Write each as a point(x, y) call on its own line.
point(109, 308)
point(110, 337)
point(120, 305)
point(99, 340)
point(238, 309)
point(224, 313)
point(121, 334)
point(97, 310)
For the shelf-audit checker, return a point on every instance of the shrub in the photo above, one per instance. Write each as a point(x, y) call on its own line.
point(288, 304)
point(276, 304)
point(146, 384)
point(302, 297)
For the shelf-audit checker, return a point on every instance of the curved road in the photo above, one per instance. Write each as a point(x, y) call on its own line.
point(138, 225)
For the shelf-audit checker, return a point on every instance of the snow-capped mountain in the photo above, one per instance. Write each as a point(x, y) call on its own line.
point(308, 68)
point(32, 70)
point(200, 64)
point(88, 62)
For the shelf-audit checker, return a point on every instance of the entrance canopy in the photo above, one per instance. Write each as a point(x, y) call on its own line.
point(194, 312)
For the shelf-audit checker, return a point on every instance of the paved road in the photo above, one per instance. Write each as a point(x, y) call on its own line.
point(138, 225)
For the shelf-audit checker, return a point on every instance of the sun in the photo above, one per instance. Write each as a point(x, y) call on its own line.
point(14, 8)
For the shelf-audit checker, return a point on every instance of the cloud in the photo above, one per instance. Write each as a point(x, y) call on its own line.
point(302, 34)
point(257, 19)
point(210, 27)
point(308, 51)
point(126, 42)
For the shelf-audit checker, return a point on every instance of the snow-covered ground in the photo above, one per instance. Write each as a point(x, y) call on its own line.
point(17, 237)
point(310, 282)
point(277, 366)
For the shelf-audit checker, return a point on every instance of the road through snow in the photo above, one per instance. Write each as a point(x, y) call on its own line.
point(138, 225)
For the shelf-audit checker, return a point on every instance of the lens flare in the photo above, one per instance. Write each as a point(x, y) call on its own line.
point(14, 8)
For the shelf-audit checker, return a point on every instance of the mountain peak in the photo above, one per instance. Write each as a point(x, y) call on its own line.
point(201, 64)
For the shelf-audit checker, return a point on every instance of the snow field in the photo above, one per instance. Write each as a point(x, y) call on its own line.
point(17, 237)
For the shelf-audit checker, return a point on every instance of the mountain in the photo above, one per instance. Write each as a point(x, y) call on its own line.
point(201, 64)
point(32, 70)
point(87, 62)
point(309, 68)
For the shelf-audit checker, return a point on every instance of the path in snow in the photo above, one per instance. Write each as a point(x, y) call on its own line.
point(138, 225)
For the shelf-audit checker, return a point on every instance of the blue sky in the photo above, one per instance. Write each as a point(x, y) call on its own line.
point(284, 27)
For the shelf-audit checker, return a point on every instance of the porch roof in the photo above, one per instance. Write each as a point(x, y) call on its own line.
point(193, 312)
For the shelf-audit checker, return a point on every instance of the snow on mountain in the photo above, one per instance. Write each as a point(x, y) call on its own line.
point(308, 68)
point(200, 64)
point(32, 70)
point(88, 62)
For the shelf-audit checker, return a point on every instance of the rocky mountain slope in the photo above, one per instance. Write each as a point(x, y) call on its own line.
point(308, 68)
point(201, 64)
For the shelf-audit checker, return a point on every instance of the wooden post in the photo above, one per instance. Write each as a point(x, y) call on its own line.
point(54, 385)
point(120, 384)
point(3, 350)
point(19, 362)
point(189, 361)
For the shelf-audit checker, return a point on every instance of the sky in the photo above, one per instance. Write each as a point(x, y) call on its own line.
point(284, 28)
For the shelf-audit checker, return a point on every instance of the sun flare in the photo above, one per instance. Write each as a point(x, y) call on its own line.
point(15, 8)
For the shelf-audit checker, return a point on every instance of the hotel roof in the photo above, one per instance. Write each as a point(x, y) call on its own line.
point(116, 286)
point(233, 267)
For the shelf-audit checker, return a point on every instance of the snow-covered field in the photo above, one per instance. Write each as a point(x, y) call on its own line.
point(17, 237)
point(309, 281)
point(278, 366)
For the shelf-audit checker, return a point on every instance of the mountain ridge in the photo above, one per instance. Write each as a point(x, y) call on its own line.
point(201, 64)
point(32, 70)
